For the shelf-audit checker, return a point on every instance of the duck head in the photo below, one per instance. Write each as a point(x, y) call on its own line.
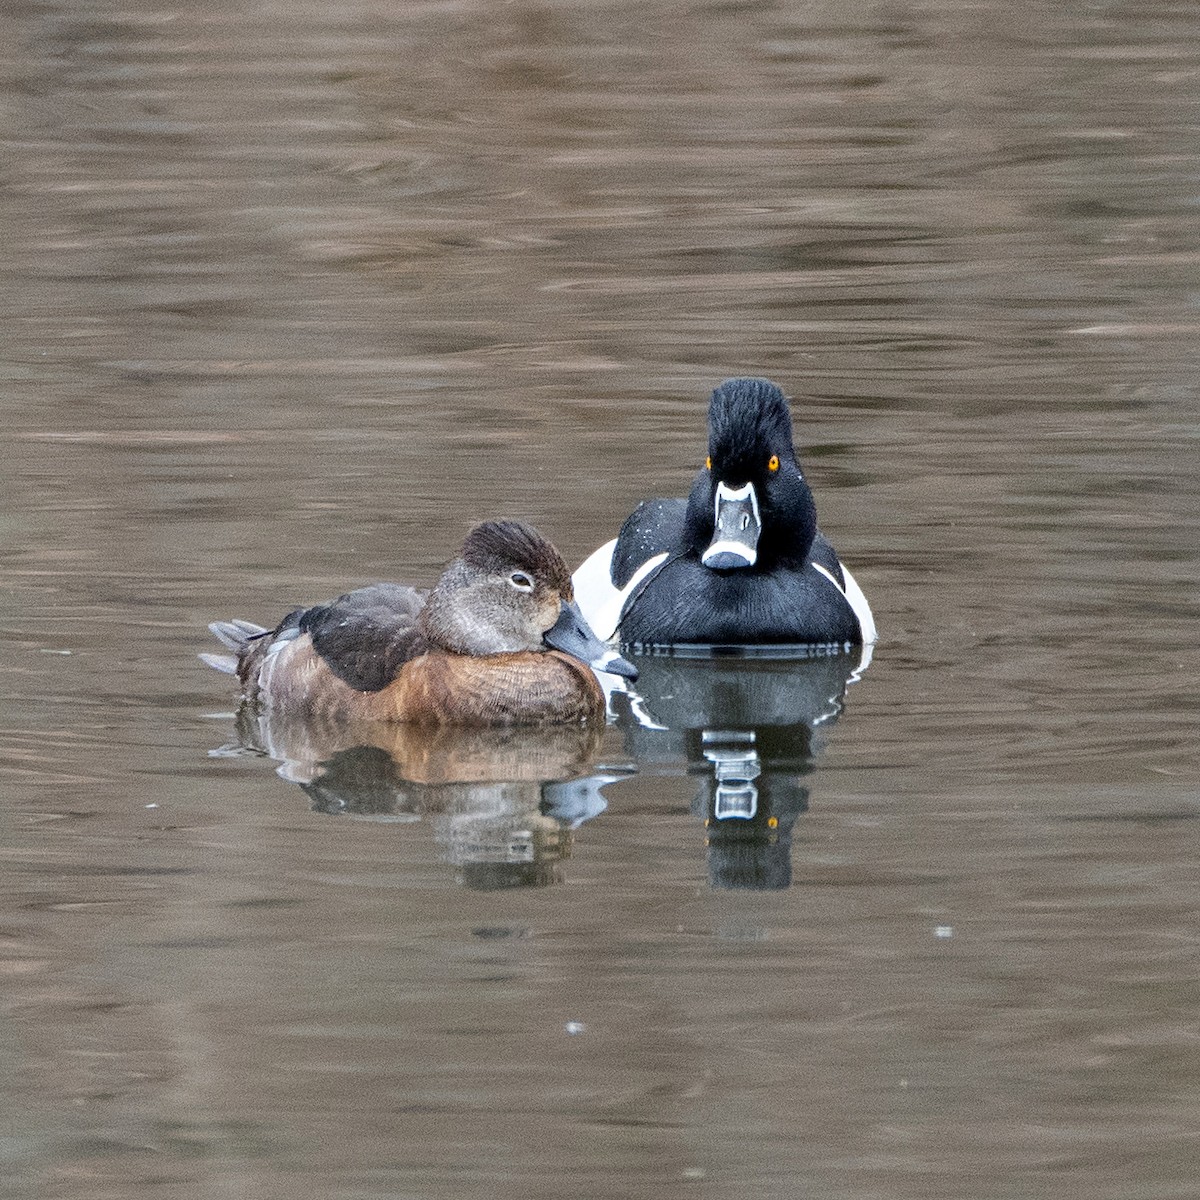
point(750, 507)
point(508, 591)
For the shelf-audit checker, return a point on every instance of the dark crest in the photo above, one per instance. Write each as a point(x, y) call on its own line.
point(497, 546)
point(747, 419)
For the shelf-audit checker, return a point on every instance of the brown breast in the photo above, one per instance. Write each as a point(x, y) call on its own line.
point(437, 688)
point(501, 689)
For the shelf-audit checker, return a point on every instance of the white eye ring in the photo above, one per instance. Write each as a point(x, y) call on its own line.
point(521, 581)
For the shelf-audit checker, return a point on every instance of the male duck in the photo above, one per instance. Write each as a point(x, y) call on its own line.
point(497, 642)
point(741, 560)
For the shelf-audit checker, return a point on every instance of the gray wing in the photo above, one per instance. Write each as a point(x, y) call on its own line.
point(367, 635)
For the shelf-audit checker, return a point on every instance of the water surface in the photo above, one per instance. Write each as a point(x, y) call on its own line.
point(294, 293)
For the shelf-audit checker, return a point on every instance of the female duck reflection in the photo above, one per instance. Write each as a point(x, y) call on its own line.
point(750, 729)
point(480, 690)
point(503, 802)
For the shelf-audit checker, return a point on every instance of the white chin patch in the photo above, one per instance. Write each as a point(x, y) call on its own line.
point(724, 556)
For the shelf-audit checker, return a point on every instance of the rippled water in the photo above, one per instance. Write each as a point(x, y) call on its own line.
point(293, 293)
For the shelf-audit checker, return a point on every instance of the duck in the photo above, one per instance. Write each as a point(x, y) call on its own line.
point(499, 640)
point(741, 561)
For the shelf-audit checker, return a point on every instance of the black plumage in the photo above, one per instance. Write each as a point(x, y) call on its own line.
point(782, 584)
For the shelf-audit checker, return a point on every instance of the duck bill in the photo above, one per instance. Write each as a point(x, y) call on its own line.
point(573, 635)
point(737, 524)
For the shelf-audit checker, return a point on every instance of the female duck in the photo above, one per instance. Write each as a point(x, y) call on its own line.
point(499, 641)
point(741, 560)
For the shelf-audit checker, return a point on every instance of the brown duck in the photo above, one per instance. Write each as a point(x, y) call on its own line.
point(498, 641)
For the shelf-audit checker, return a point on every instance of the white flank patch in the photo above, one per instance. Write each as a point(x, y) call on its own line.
point(600, 602)
point(862, 610)
point(594, 591)
point(858, 602)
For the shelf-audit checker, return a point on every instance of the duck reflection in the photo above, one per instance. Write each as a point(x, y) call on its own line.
point(503, 803)
point(749, 729)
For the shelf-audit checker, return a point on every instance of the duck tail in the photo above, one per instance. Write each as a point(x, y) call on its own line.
point(237, 636)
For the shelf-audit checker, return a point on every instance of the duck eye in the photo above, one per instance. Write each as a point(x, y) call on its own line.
point(521, 581)
point(773, 463)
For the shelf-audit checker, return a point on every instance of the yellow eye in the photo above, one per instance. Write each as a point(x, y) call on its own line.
point(708, 462)
point(773, 464)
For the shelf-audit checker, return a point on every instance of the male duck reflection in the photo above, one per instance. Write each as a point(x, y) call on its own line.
point(498, 641)
point(741, 560)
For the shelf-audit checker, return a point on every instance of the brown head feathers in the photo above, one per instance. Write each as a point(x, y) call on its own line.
point(498, 546)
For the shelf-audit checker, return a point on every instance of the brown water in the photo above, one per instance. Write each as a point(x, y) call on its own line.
point(293, 292)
